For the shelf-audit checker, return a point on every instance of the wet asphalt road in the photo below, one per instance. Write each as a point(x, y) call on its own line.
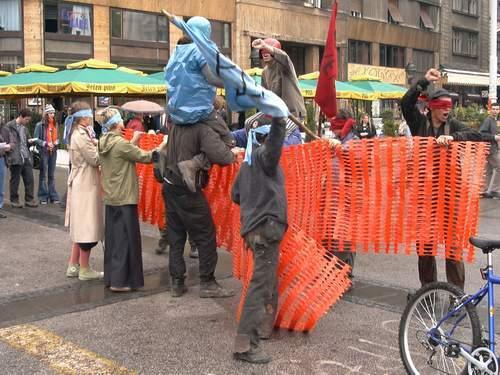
point(151, 333)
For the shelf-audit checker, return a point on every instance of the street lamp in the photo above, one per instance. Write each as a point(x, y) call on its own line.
point(410, 70)
point(255, 58)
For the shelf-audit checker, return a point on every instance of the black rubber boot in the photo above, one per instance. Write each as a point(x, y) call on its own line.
point(213, 289)
point(178, 288)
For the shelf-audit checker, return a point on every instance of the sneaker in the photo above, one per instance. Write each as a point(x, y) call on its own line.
point(254, 355)
point(213, 289)
point(193, 253)
point(43, 202)
point(178, 288)
point(486, 195)
point(86, 274)
point(2, 215)
point(73, 270)
point(32, 203)
point(56, 201)
point(16, 205)
point(118, 289)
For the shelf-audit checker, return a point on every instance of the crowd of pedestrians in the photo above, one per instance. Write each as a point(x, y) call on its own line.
point(103, 193)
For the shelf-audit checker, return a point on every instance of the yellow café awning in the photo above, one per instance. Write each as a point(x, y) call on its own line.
point(91, 63)
point(38, 68)
point(467, 78)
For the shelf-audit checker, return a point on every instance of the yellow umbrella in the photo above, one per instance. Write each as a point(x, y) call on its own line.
point(36, 68)
point(91, 63)
point(131, 71)
point(310, 76)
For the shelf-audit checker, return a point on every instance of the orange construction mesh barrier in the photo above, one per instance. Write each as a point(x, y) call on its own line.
point(391, 195)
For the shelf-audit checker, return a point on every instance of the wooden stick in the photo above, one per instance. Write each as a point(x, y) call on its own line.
point(303, 127)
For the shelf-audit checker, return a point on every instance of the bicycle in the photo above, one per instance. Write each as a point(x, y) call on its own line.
point(440, 331)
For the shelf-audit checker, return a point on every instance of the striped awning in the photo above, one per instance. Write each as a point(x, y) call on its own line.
point(467, 78)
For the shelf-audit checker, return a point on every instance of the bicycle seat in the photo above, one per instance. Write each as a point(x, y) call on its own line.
point(485, 244)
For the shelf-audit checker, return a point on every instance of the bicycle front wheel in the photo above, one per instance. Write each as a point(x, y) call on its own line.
point(427, 350)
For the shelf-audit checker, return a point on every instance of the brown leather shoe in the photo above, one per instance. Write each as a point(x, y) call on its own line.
point(32, 204)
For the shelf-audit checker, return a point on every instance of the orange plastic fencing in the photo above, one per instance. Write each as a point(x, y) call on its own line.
point(391, 195)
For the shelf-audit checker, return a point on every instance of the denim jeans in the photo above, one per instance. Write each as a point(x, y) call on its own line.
point(47, 185)
point(2, 175)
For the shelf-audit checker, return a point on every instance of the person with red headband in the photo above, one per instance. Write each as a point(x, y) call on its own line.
point(343, 125)
point(437, 123)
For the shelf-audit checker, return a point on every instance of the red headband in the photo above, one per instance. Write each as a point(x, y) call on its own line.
point(439, 104)
point(340, 123)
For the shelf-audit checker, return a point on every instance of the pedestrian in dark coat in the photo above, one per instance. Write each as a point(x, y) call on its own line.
point(489, 130)
point(259, 190)
point(19, 158)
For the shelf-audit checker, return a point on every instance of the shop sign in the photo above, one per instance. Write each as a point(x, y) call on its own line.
point(396, 76)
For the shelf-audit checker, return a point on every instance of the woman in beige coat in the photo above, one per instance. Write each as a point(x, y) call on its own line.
point(84, 210)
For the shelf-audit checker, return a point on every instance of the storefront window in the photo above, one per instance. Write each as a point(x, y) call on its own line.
point(10, 15)
point(359, 52)
point(138, 26)
point(66, 18)
point(392, 56)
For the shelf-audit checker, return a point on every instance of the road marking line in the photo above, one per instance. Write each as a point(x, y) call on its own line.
point(61, 355)
point(356, 370)
point(365, 341)
point(370, 353)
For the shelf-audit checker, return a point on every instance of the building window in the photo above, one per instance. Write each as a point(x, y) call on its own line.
point(426, 22)
point(392, 56)
point(67, 18)
point(465, 43)
point(221, 35)
point(10, 63)
point(10, 15)
point(393, 13)
point(469, 7)
point(359, 52)
point(138, 26)
point(423, 61)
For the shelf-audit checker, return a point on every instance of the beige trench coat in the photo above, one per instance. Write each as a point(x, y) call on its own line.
point(84, 207)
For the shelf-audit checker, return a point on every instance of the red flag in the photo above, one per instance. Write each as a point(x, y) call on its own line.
point(326, 95)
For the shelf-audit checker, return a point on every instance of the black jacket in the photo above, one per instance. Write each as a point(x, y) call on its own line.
point(186, 141)
point(259, 189)
point(420, 125)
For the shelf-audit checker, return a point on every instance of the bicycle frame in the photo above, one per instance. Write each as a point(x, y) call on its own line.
point(487, 289)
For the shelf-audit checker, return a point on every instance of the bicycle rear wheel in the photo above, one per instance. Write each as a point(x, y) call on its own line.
point(423, 353)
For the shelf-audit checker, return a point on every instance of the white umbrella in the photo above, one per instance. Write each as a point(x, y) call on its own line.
point(143, 106)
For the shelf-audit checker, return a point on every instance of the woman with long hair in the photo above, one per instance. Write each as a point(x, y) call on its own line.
point(123, 252)
point(365, 128)
point(47, 142)
point(84, 201)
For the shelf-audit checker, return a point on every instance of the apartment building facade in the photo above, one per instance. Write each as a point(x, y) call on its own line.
point(131, 33)
point(464, 49)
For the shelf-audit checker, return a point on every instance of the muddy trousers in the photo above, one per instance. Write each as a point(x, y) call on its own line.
point(259, 309)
